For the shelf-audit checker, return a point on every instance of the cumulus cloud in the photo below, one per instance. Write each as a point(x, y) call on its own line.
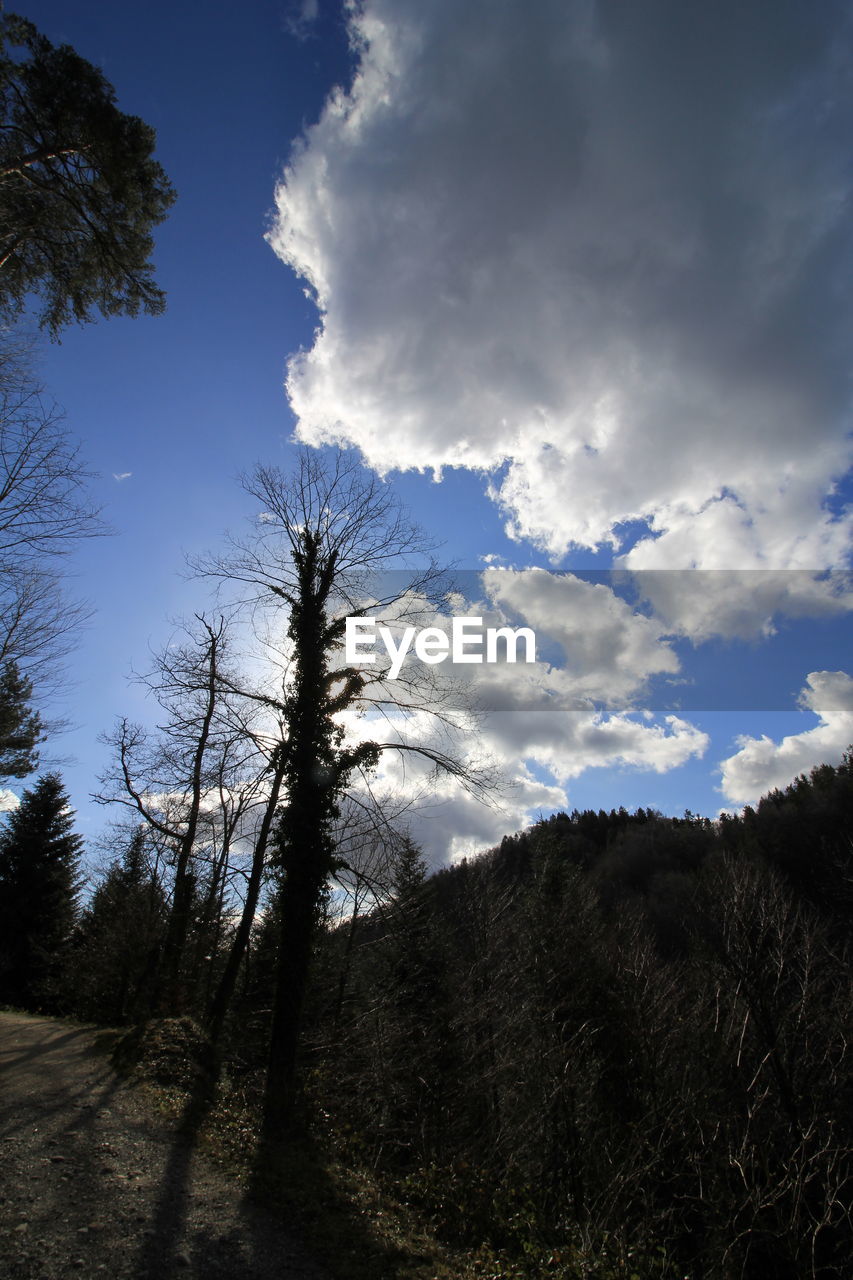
point(529, 755)
point(596, 249)
point(569, 744)
point(607, 652)
point(739, 604)
point(761, 764)
point(8, 800)
point(591, 646)
point(449, 822)
point(532, 757)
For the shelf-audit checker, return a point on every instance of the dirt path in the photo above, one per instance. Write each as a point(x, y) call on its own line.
point(90, 1185)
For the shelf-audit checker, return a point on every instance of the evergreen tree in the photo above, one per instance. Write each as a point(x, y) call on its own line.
point(408, 871)
point(39, 881)
point(413, 1032)
point(117, 945)
point(79, 189)
point(20, 726)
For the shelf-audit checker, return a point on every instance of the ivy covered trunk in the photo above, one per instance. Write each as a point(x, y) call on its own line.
point(316, 769)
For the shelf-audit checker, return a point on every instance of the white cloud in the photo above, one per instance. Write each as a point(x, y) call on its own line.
point(569, 743)
point(600, 243)
point(591, 645)
point(540, 725)
point(122, 475)
point(8, 800)
point(761, 764)
point(449, 822)
point(608, 650)
point(520, 748)
point(742, 604)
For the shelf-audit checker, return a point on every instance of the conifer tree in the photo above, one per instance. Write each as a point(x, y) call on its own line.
point(415, 1009)
point(79, 188)
point(118, 941)
point(20, 726)
point(39, 881)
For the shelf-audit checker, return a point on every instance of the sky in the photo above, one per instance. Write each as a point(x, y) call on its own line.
point(573, 278)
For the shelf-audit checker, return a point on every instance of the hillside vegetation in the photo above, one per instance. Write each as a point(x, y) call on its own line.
point(617, 1045)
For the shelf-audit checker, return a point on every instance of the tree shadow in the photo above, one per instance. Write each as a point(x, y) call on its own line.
point(292, 1180)
point(55, 1095)
point(15, 1055)
point(165, 1233)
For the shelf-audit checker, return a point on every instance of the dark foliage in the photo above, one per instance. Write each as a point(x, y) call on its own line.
point(167, 1051)
point(21, 728)
point(618, 1037)
point(118, 940)
point(39, 880)
point(617, 1044)
point(79, 189)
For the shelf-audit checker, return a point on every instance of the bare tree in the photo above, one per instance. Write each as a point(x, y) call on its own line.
point(322, 536)
point(44, 511)
point(268, 791)
point(780, 1000)
point(168, 781)
point(39, 622)
point(44, 505)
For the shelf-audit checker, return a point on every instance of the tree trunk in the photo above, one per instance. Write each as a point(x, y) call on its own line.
point(227, 983)
point(304, 834)
point(169, 995)
point(299, 897)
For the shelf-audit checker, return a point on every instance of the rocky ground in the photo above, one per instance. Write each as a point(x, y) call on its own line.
point(91, 1184)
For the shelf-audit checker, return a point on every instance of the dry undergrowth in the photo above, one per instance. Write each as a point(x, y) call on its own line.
point(348, 1217)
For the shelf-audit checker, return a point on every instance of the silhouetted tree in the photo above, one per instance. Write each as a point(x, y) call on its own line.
point(79, 189)
point(169, 782)
point(21, 728)
point(323, 530)
point(39, 881)
point(620, 1040)
point(116, 944)
point(44, 512)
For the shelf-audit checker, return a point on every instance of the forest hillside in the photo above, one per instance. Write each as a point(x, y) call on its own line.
point(618, 1041)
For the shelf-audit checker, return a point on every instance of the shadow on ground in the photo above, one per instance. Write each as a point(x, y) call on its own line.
point(292, 1180)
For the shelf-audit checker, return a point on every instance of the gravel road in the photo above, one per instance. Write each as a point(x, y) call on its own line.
point(91, 1185)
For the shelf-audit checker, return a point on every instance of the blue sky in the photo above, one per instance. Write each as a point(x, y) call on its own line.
point(587, 264)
